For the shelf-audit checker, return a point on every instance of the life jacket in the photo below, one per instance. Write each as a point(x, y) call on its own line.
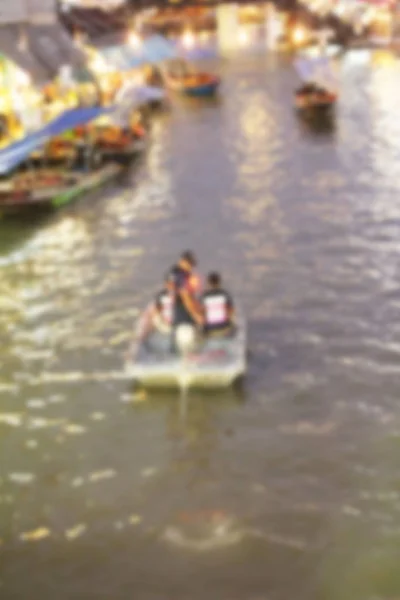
point(216, 310)
point(179, 281)
point(195, 284)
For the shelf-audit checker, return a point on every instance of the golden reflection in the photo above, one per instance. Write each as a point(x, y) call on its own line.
point(62, 236)
point(258, 143)
point(35, 535)
point(75, 531)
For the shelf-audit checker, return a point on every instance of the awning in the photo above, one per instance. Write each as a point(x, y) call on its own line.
point(151, 50)
point(18, 152)
point(9, 37)
point(54, 47)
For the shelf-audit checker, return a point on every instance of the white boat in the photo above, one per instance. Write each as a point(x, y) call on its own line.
point(218, 362)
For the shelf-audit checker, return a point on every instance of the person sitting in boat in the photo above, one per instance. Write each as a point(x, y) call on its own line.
point(306, 89)
point(162, 311)
point(187, 311)
point(218, 307)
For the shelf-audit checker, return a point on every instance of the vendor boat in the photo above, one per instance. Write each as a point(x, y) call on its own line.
point(196, 85)
point(28, 185)
point(178, 77)
point(105, 137)
point(319, 91)
point(42, 191)
point(216, 363)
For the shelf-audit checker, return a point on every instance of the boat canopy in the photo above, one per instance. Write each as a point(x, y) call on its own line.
point(152, 50)
point(54, 47)
point(18, 152)
point(319, 70)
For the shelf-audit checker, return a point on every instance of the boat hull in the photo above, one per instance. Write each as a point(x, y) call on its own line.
point(43, 200)
point(201, 89)
point(312, 102)
point(219, 363)
point(207, 89)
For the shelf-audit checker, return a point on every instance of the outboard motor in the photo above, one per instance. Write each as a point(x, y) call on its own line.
point(186, 338)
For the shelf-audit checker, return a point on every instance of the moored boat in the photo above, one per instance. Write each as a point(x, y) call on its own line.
point(49, 190)
point(28, 185)
point(216, 363)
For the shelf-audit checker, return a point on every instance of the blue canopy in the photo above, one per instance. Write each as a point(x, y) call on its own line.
point(16, 153)
point(156, 48)
point(152, 50)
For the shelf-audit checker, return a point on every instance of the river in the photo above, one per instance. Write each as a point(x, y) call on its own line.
point(290, 489)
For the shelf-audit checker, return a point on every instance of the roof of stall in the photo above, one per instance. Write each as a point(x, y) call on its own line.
point(54, 47)
point(9, 36)
point(152, 50)
point(18, 152)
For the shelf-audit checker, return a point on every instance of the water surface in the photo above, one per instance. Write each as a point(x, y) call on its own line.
point(289, 490)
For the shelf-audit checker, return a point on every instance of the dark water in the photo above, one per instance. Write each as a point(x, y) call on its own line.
point(291, 490)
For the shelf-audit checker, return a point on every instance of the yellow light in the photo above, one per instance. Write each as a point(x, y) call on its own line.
point(188, 40)
point(340, 10)
point(137, 78)
point(134, 40)
point(205, 36)
point(299, 35)
point(22, 78)
point(368, 16)
point(99, 65)
point(383, 17)
point(243, 37)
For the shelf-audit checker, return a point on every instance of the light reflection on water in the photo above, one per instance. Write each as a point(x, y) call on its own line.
point(297, 475)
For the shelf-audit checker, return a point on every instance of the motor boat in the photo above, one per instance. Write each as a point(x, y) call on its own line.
point(319, 90)
point(311, 96)
point(214, 363)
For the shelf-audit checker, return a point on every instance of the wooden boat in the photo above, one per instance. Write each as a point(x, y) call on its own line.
point(27, 185)
point(196, 85)
point(94, 144)
point(179, 77)
point(310, 97)
point(42, 191)
point(319, 91)
point(217, 363)
point(119, 143)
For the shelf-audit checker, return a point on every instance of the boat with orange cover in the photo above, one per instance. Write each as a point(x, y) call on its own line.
point(179, 77)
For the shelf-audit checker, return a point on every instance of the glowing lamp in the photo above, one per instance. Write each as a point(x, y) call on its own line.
point(243, 37)
point(299, 36)
point(134, 40)
point(188, 40)
point(98, 64)
point(22, 78)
